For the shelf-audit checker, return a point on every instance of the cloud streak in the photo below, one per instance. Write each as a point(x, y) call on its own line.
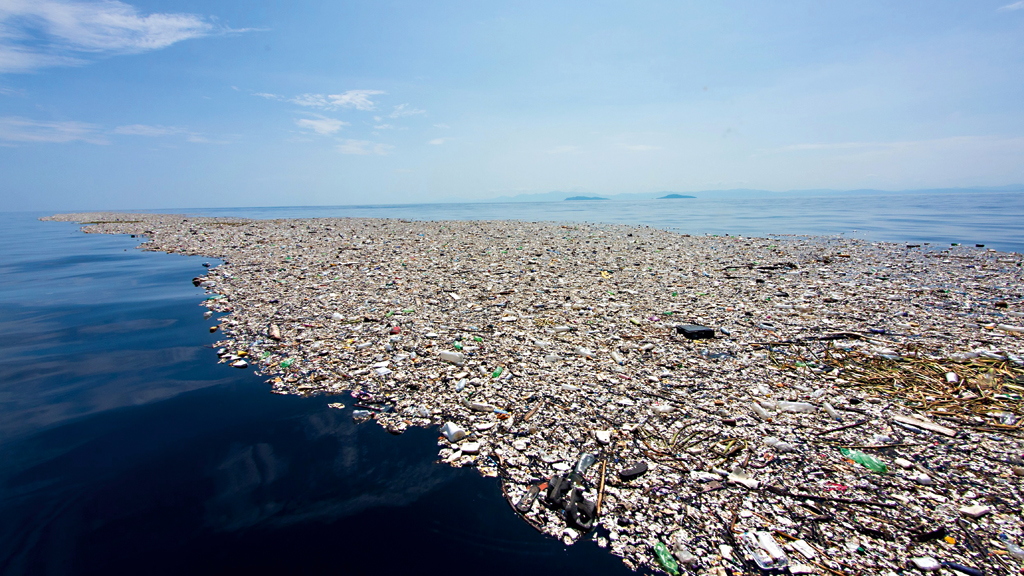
point(18, 130)
point(23, 130)
point(321, 125)
point(358, 99)
point(1012, 7)
point(405, 110)
point(39, 33)
point(363, 147)
point(146, 130)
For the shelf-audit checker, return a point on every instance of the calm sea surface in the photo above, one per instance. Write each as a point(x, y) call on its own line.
point(125, 448)
point(995, 219)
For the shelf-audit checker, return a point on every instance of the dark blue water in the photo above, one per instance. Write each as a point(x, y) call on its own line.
point(125, 448)
point(966, 217)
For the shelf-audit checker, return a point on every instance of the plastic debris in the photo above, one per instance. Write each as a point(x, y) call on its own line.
point(665, 559)
point(865, 460)
point(694, 332)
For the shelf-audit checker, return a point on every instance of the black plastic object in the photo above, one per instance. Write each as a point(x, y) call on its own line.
point(695, 332)
point(929, 535)
point(558, 488)
point(526, 502)
point(635, 472)
point(579, 512)
point(963, 569)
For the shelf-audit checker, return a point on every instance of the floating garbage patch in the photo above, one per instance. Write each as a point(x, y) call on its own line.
point(695, 404)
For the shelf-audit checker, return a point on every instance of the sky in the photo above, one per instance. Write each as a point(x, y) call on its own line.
point(165, 104)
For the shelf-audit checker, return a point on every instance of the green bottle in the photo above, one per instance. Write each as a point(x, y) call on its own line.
point(865, 460)
point(666, 560)
point(497, 372)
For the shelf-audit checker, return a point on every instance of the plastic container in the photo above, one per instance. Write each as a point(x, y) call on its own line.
point(865, 460)
point(831, 412)
point(452, 357)
point(665, 559)
point(452, 431)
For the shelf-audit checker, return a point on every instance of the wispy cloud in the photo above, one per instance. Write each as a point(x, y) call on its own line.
point(565, 149)
point(156, 131)
point(641, 147)
point(17, 129)
point(405, 110)
point(363, 147)
point(438, 141)
point(443, 126)
point(384, 127)
point(146, 130)
point(197, 138)
point(40, 33)
point(358, 99)
point(1012, 7)
point(321, 125)
point(267, 95)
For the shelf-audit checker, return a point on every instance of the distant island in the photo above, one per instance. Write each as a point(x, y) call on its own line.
point(584, 198)
point(675, 196)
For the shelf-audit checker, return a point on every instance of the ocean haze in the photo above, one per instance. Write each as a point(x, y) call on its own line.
point(740, 193)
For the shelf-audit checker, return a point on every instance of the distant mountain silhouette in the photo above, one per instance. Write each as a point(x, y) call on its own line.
point(585, 198)
point(675, 196)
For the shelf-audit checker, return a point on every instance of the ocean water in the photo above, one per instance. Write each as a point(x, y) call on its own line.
point(125, 447)
point(995, 219)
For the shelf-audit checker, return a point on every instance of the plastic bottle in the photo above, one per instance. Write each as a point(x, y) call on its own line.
point(665, 559)
point(453, 357)
point(831, 412)
point(865, 460)
point(585, 462)
point(769, 545)
point(796, 406)
point(761, 412)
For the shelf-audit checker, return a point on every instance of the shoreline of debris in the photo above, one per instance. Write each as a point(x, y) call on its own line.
point(704, 404)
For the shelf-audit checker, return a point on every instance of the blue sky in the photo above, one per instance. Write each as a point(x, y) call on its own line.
point(166, 104)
